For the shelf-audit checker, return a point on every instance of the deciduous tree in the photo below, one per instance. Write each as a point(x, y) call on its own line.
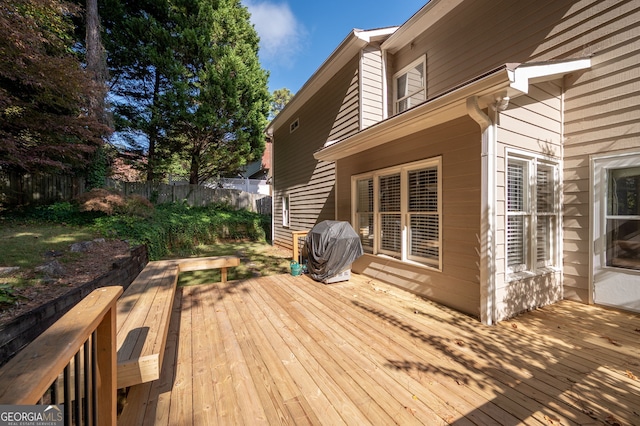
point(44, 91)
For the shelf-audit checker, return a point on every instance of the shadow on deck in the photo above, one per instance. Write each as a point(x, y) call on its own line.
point(288, 350)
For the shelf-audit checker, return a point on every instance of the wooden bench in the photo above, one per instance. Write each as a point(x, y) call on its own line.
point(144, 311)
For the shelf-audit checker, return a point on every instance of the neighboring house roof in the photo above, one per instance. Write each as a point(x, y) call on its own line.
point(350, 46)
point(510, 80)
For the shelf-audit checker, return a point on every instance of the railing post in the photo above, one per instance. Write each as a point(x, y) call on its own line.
point(28, 376)
point(107, 374)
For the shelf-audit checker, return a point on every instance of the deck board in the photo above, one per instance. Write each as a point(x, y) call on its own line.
point(288, 350)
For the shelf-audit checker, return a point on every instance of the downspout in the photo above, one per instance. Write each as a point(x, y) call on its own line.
point(487, 214)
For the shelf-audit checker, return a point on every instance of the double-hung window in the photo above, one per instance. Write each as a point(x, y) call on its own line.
point(397, 212)
point(532, 214)
point(410, 87)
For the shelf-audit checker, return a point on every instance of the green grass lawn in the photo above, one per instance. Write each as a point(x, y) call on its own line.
point(256, 259)
point(25, 245)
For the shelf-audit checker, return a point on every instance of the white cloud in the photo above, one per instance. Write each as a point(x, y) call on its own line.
point(281, 34)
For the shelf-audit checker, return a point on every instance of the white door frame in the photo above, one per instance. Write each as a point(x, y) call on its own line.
point(599, 164)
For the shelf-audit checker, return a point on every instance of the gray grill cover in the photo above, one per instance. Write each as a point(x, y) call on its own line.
point(332, 247)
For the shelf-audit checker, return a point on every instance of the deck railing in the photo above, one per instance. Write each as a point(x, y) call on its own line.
point(72, 363)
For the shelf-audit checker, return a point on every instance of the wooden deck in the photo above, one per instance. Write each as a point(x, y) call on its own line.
point(288, 350)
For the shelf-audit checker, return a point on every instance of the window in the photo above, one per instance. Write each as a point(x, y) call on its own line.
point(532, 214)
point(397, 212)
point(285, 210)
point(410, 86)
point(364, 213)
point(390, 214)
point(623, 218)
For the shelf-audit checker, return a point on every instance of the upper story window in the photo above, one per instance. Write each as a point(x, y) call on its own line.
point(410, 87)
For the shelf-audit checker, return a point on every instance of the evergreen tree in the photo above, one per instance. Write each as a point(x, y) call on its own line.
point(186, 75)
point(139, 39)
point(222, 97)
point(279, 99)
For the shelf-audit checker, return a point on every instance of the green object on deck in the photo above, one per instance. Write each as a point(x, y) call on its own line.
point(295, 268)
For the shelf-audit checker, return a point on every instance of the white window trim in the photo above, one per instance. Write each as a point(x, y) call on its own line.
point(286, 210)
point(600, 165)
point(403, 170)
point(532, 268)
point(423, 60)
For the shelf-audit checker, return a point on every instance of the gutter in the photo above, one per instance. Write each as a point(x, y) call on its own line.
point(438, 109)
point(510, 80)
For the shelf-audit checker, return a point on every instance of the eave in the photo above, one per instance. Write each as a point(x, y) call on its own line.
point(355, 41)
point(509, 80)
point(422, 20)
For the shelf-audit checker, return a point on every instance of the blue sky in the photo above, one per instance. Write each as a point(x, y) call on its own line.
point(296, 36)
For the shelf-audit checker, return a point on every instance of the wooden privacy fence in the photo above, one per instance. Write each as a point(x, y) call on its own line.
point(194, 195)
point(41, 188)
point(38, 188)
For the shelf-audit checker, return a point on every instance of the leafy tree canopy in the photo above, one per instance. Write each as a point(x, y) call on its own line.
point(186, 75)
point(279, 99)
point(44, 92)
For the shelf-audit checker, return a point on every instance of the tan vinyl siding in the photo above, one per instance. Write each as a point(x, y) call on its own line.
point(371, 86)
point(526, 32)
point(457, 142)
point(601, 105)
point(330, 114)
point(532, 124)
point(602, 111)
point(455, 56)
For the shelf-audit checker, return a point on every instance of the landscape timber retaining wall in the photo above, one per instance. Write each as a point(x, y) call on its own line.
point(24, 329)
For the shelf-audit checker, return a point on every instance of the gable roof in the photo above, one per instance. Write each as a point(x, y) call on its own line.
point(346, 50)
point(508, 80)
point(424, 18)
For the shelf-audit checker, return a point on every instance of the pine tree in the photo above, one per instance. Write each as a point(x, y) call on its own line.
point(222, 96)
point(186, 75)
point(139, 39)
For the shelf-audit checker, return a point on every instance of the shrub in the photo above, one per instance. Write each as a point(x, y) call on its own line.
point(112, 202)
point(137, 205)
point(62, 212)
point(101, 200)
point(178, 227)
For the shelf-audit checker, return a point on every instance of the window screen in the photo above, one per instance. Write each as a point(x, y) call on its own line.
point(532, 214)
point(517, 219)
